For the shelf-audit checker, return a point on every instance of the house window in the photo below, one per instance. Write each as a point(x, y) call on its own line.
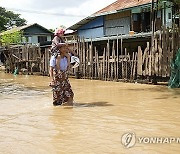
point(42, 39)
point(135, 17)
point(158, 14)
point(29, 40)
point(169, 15)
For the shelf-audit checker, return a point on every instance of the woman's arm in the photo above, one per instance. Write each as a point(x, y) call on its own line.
point(51, 73)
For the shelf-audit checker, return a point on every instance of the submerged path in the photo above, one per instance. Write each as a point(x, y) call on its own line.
point(102, 113)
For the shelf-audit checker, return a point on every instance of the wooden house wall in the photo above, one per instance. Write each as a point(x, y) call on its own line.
point(92, 29)
point(118, 23)
point(32, 33)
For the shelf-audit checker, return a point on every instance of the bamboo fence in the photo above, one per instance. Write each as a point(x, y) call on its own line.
point(114, 64)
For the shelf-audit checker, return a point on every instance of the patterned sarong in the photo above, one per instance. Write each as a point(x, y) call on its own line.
point(62, 89)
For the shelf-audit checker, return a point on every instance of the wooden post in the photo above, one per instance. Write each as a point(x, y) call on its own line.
point(160, 60)
point(164, 54)
point(40, 65)
point(132, 66)
point(95, 63)
point(84, 59)
point(145, 59)
point(87, 60)
point(108, 57)
point(104, 62)
point(117, 59)
point(90, 50)
point(156, 57)
point(126, 64)
point(98, 69)
point(150, 63)
point(91, 59)
point(139, 67)
point(135, 66)
point(121, 45)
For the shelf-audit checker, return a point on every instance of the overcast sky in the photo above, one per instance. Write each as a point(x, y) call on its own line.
point(50, 13)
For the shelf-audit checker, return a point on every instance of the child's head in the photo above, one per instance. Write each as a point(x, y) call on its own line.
point(60, 32)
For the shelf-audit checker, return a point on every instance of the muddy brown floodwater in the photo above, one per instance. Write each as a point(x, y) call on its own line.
point(102, 113)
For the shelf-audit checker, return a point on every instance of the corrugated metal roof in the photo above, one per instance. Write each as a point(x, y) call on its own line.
point(110, 9)
point(82, 22)
point(122, 4)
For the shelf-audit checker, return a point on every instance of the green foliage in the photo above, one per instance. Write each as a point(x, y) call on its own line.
point(9, 38)
point(174, 81)
point(8, 19)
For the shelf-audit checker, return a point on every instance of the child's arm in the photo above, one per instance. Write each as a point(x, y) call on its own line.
point(51, 75)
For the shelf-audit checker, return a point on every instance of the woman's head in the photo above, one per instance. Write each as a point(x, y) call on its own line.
point(62, 48)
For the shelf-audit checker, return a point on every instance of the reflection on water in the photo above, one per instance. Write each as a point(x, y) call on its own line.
point(102, 113)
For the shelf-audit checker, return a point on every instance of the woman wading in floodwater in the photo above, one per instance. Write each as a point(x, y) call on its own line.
point(62, 92)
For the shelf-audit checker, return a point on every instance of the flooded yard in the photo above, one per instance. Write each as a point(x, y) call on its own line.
point(103, 111)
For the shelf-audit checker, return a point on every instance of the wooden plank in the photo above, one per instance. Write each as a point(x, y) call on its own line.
point(40, 58)
point(108, 57)
point(91, 60)
point(80, 54)
point(46, 59)
point(164, 54)
point(87, 60)
point(98, 67)
point(114, 62)
point(117, 59)
point(156, 57)
point(104, 63)
point(160, 60)
point(121, 45)
point(128, 64)
point(147, 64)
point(84, 59)
point(145, 53)
point(146, 59)
point(19, 54)
point(101, 69)
point(123, 67)
point(168, 61)
point(139, 65)
point(135, 66)
point(156, 64)
point(168, 53)
point(150, 63)
point(153, 61)
point(132, 66)
point(95, 63)
point(125, 62)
